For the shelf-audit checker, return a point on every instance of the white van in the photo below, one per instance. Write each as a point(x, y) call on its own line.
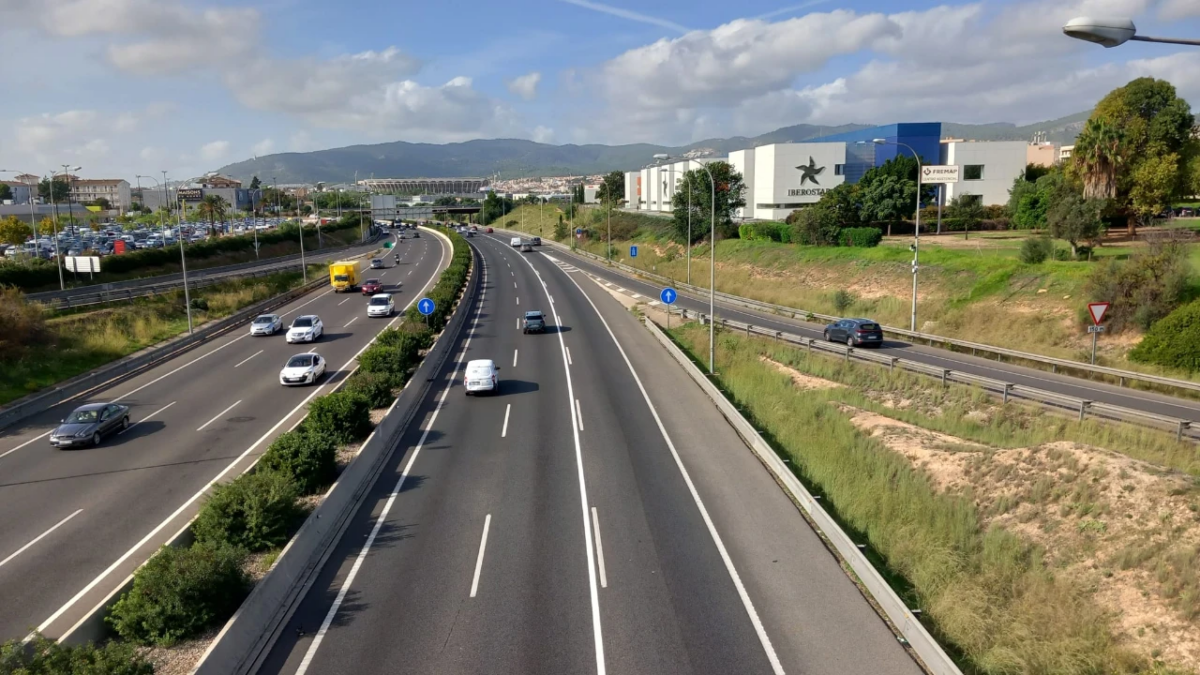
point(516, 242)
point(481, 375)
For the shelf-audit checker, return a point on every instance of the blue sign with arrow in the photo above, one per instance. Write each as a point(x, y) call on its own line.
point(633, 251)
point(425, 306)
point(668, 296)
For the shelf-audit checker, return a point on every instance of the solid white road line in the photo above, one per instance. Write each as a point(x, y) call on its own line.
point(487, 522)
point(518, 328)
point(387, 507)
point(579, 414)
point(38, 438)
point(569, 361)
point(347, 324)
point(518, 299)
point(147, 417)
point(219, 415)
point(514, 358)
point(343, 302)
point(249, 357)
point(40, 537)
point(514, 284)
point(504, 429)
point(599, 549)
point(763, 638)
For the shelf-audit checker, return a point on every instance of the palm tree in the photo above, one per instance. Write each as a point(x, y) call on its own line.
point(1097, 156)
point(214, 208)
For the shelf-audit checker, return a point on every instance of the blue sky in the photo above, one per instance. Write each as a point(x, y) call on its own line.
point(124, 87)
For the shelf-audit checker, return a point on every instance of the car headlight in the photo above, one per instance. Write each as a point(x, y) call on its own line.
point(81, 434)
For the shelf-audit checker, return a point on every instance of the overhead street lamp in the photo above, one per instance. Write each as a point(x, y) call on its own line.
point(57, 254)
point(712, 265)
point(187, 297)
point(32, 207)
point(162, 223)
point(1110, 33)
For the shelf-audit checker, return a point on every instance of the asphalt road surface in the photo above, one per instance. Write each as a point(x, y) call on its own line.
point(595, 515)
point(74, 524)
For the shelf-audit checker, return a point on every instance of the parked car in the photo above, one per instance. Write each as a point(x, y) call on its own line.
point(89, 424)
point(302, 369)
point(266, 324)
point(855, 332)
point(535, 322)
point(481, 375)
point(371, 286)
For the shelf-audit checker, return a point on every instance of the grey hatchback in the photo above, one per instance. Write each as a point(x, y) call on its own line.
point(88, 424)
point(855, 333)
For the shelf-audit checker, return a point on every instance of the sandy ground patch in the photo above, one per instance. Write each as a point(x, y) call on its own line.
point(799, 379)
point(180, 658)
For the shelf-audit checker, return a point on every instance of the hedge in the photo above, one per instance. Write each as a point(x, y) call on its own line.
point(375, 387)
point(344, 416)
point(764, 231)
point(255, 512)
point(1172, 341)
point(43, 656)
point(180, 593)
point(445, 292)
point(861, 237)
point(309, 458)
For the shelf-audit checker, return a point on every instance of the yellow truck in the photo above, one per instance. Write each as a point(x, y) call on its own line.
point(343, 275)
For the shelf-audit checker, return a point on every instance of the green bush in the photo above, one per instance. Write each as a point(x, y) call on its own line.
point(421, 332)
point(345, 416)
point(861, 237)
point(254, 512)
point(843, 300)
point(762, 231)
point(1173, 341)
point(375, 387)
point(43, 656)
point(1036, 250)
point(310, 459)
point(180, 593)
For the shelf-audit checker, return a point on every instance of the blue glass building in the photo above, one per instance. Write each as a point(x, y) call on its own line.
point(863, 154)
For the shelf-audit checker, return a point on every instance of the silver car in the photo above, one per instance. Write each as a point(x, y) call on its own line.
point(266, 324)
point(89, 424)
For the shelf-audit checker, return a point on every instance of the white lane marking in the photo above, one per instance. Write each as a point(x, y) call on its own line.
point(343, 302)
point(504, 429)
point(636, 295)
point(410, 273)
point(249, 357)
point(40, 537)
point(580, 414)
point(763, 638)
point(38, 438)
point(513, 273)
point(487, 522)
point(518, 328)
point(94, 582)
point(382, 275)
point(514, 284)
point(518, 299)
point(599, 549)
point(219, 415)
point(387, 507)
point(569, 361)
point(597, 632)
point(347, 324)
point(147, 417)
point(514, 358)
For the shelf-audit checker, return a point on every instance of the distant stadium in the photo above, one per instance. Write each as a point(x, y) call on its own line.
point(425, 186)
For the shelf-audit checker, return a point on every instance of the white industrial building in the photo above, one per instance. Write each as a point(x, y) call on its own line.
point(986, 169)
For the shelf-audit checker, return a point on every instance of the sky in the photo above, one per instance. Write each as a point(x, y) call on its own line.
point(128, 87)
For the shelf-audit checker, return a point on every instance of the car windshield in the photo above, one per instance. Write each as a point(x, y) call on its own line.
point(300, 361)
point(83, 417)
point(371, 282)
point(379, 301)
point(264, 319)
point(341, 277)
point(302, 322)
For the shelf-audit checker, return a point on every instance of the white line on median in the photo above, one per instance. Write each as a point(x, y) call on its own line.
point(599, 549)
point(487, 522)
point(219, 415)
point(514, 358)
point(343, 302)
point(347, 324)
point(579, 414)
point(39, 537)
point(249, 357)
point(569, 361)
point(504, 429)
point(146, 418)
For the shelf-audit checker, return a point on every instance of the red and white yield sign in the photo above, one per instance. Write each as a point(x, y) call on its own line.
point(1097, 310)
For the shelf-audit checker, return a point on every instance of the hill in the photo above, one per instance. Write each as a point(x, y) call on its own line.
point(515, 157)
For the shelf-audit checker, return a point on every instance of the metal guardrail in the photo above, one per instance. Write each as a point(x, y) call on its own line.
point(1082, 408)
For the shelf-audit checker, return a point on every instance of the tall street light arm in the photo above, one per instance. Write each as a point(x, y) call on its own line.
point(1112, 32)
point(916, 227)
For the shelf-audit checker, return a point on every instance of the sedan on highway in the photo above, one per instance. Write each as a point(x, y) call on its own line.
point(89, 424)
point(266, 324)
point(481, 376)
point(371, 286)
point(305, 328)
point(376, 263)
point(302, 369)
point(490, 230)
point(381, 305)
point(855, 333)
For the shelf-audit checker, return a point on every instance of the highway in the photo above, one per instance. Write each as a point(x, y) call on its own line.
point(596, 515)
point(76, 523)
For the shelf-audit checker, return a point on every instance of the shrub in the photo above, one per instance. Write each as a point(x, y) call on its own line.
point(861, 237)
point(375, 387)
point(1035, 250)
point(200, 304)
point(23, 321)
point(309, 459)
point(421, 332)
point(511, 224)
point(1173, 341)
point(255, 511)
point(43, 656)
point(181, 592)
point(345, 416)
point(842, 300)
point(1145, 288)
point(763, 231)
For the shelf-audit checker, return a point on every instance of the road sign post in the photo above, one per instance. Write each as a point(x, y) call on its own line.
point(633, 251)
point(668, 296)
point(1097, 311)
point(426, 306)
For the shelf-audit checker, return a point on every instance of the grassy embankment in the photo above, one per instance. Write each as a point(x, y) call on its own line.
point(1031, 541)
point(974, 289)
point(76, 342)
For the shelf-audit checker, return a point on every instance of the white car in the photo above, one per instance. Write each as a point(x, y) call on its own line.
point(380, 305)
point(302, 369)
point(305, 328)
point(266, 324)
point(516, 242)
point(481, 375)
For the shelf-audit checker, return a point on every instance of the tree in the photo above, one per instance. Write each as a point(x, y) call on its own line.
point(61, 189)
point(887, 199)
point(1035, 171)
point(1155, 181)
point(5, 192)
point(214, 208)
point(102, 202)
point(93, 223)
point(255, 183)
point(612, 190)
point(730, 196)
point(902, 166)
point(1028, 202)
point(495, 207)
point(1075, 218)
point(14, 231)
point(446, 201)
point(967, 210)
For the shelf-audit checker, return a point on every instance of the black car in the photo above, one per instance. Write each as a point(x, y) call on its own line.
point(537, 241)
point(855, 333)
point(90, 423)
point(535, 322)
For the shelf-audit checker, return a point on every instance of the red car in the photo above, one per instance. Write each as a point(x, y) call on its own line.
point(489, 230)
point(371, 287)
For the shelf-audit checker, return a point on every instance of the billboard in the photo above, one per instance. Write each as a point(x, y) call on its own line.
point(191, 194)
point(82, 263)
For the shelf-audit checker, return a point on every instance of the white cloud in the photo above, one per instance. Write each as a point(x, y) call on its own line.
point(304, 86)
point(542, 134)
point(214, 151)
point(264, 147)
point(1173, 10)
point(525, 86)
point(152, 153)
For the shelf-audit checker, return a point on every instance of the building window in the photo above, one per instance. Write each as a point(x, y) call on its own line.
point(839, 169)
point(973, 172)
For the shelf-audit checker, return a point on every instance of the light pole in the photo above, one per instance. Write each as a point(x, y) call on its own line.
point(689, 235)
point(162, 225)
point(712, 269)
point(916, 247)
point(187, 296)
point(32, 208)
point(67, 169)
point(1110, 33)
point(57, 255)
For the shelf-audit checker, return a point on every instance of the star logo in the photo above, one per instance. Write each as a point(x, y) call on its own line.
point(810, 172)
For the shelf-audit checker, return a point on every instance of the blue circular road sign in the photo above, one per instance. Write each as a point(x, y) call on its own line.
point(425, 306)
point(668, 296)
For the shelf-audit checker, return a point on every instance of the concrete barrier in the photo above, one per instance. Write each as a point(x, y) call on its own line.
point(250, 634)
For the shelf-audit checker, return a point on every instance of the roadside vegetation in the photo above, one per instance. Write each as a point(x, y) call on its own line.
point(1033, 543)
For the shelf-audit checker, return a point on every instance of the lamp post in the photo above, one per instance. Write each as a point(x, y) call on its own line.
point(689, 235)
point(712, 268)
point(57, 255)
point(1109, 33)
point(32, 207)
point(187, 296)
point(916, 247)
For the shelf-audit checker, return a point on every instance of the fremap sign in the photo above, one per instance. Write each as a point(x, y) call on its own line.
point(940, 173)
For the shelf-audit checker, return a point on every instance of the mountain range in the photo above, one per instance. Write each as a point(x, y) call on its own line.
point(514, 158)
